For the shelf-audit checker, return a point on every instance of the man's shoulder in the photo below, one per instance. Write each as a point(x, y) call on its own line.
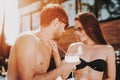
point(26, 37)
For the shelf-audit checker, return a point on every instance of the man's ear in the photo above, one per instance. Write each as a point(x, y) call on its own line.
point(56, 21)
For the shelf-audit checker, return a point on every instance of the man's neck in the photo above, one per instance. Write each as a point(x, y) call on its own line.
point(44, 35)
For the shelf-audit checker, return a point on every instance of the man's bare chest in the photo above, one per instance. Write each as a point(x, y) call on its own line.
point(43, 59)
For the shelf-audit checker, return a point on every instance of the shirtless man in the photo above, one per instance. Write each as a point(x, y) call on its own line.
point(30, 55)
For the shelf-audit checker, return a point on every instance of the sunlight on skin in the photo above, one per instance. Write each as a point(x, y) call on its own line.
point(9, 8)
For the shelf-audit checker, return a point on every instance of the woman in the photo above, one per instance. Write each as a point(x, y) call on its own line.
point(96, 56)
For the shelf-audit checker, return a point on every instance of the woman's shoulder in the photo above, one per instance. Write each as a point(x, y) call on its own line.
point(108, 49)
point(110, 52)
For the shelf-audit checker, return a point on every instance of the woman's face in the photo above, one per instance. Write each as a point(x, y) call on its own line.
point(79, 31)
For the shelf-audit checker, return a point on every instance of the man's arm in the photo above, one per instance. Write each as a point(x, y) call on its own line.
point(11, 72)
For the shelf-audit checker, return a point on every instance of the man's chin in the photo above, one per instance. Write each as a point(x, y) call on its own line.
point(56, 38)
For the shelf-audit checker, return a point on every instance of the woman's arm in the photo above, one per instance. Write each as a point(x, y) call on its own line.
point(55, 53)
point(111, 64)
point(56, 57)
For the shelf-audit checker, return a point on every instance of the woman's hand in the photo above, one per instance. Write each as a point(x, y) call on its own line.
point(53, 44)
point(55, 52)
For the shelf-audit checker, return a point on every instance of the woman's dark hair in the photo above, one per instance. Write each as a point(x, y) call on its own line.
point(91, 26)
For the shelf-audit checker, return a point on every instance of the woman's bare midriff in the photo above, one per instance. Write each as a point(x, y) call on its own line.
point(86, 74)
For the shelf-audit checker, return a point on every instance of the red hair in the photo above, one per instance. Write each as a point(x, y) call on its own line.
point(51, 12)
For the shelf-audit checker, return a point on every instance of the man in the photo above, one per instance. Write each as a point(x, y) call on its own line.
point(30, 55)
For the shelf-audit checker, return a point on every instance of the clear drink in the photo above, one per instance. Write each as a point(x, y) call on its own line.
point(71, 58)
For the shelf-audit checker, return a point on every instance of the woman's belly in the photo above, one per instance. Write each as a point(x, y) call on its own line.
point(88, 75)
